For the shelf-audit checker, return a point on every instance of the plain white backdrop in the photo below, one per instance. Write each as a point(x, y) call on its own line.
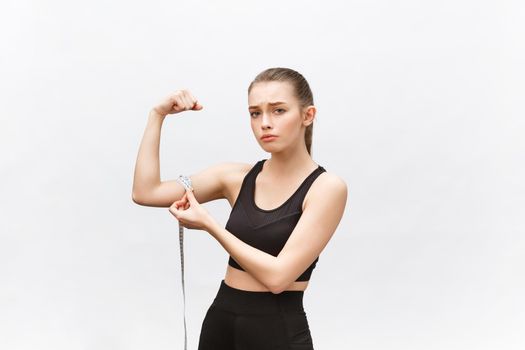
point(420, 111)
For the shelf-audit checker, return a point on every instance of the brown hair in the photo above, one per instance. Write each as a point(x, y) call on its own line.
point(301, 90)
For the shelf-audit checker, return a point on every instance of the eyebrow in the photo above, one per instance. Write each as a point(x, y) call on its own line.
point(270, 103)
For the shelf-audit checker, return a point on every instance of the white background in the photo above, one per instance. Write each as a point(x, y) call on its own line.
point(420, 111)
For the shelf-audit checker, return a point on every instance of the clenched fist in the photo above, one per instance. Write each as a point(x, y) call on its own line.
point(181, 100)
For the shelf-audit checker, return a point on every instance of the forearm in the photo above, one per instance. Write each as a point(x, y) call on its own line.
point(261, 265)
point(147, 166)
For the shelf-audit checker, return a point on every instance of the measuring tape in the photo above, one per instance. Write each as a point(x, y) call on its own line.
point(186, 182)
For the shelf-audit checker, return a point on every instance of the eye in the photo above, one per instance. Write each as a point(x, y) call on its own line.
point(280, 109)
point(251, 114)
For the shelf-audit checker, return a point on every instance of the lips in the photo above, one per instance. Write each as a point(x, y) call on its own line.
point(267, 135)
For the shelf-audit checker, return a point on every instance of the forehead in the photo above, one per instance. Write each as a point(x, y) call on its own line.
point(263, 93)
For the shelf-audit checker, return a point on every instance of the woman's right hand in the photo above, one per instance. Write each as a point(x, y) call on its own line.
point(181, 100)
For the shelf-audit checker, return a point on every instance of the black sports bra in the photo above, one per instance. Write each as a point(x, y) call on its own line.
point(267, 230)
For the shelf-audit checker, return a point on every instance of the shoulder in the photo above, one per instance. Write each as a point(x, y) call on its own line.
point(328, 186)
point(231, 170)
point(329, 181)
point(334, 180)
point(222, 174)
point(225, 169)
point(232, 176)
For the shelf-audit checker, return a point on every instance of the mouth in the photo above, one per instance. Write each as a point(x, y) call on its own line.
point(265, 137)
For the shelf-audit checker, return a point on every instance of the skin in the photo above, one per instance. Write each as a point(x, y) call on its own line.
point(282, 173)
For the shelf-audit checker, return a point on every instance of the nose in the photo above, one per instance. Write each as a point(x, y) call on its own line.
point(266, 121)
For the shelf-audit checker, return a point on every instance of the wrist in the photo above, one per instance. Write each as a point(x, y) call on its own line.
point(211, 225)
point(155, 114)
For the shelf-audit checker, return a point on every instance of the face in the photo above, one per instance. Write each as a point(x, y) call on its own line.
point(273, 109)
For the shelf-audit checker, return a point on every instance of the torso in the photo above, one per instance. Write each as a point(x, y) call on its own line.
point(241, 279)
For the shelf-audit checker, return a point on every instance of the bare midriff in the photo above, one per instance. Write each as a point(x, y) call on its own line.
point(243, 280)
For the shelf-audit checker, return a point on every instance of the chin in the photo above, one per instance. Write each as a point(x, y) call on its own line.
point(272, 149)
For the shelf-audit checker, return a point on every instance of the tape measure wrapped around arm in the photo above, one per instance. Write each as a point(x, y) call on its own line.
point(186, 182)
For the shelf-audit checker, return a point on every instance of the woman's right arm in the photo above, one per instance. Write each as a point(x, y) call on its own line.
point(147, 167)
point(148, 189)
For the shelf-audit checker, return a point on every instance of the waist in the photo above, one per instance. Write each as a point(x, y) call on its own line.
point(241, 279)
point(257, 302)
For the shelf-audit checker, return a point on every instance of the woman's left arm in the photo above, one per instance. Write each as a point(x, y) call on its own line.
point(318, 222)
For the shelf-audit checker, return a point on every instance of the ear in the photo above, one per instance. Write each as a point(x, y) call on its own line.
point(309, 115)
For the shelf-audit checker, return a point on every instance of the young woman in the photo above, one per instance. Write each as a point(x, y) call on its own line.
point(285, 209)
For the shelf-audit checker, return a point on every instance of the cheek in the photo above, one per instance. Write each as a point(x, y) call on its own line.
point(252, 125)
point(291, 128)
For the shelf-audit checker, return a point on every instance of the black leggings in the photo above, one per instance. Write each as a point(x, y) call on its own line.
point(251, 320)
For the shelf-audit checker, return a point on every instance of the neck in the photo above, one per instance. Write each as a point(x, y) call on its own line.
point(290, 162)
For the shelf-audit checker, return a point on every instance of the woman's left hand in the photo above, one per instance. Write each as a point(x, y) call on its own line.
point(190, 213)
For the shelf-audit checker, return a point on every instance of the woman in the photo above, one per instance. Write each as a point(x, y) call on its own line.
point(284, 211)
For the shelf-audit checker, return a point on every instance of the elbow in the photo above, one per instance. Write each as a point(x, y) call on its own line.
point(136, 199)
point(278, 288)
point(277, 284)
point(275, 289)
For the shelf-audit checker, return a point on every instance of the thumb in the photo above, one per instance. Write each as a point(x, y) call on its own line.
point(191, 196)
point(197, 106)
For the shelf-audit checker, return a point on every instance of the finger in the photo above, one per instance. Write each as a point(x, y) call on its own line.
point(188, 103)
point(180, 215)
point(174, 212)
point(191, 196)
point(180, 203)
point(182, 199)
point(173, 102)
point(196, 105)
point(179, 102)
